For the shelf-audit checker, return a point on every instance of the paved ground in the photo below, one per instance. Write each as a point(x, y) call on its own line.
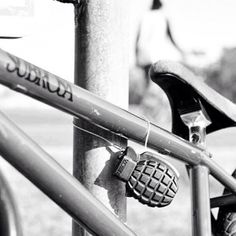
point(53, 131)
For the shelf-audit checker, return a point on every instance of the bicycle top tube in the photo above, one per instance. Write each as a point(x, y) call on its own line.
point(26, 78)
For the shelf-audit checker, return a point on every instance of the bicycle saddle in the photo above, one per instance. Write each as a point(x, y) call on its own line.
point(187, 92)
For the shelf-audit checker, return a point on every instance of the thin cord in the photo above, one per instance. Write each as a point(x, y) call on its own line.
point(148, 133)
point(98, 136)
point(111, 143)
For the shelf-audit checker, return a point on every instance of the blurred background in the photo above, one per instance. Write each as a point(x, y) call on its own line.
point(199, 34)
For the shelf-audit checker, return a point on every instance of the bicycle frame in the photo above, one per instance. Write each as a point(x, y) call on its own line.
point(27, 157)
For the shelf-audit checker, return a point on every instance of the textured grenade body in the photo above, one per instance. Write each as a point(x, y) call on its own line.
point(149, 178)
point(153, 183)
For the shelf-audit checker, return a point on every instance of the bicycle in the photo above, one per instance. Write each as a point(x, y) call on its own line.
point(188, 107)
point(194, 112)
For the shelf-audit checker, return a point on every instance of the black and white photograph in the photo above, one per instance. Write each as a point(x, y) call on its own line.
point(117, 118)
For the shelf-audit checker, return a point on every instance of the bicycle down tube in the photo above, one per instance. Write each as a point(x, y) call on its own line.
point(42, 170)
point(26, 78)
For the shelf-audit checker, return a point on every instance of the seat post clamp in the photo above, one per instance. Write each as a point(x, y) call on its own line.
point(197, 121)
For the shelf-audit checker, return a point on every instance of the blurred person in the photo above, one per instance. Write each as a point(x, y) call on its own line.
point(155, 42)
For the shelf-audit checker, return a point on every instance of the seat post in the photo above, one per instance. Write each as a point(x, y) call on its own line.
point(197, 122)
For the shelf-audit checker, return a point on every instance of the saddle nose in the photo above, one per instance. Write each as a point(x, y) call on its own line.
point(187, 92)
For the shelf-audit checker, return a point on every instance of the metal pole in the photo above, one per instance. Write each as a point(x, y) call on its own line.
point(101, 66)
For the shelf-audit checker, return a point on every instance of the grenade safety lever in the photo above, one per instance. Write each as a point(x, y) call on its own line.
point(149, 178)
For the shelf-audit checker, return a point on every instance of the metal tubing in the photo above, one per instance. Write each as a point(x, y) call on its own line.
point(199, 175)
point(56, 92)
point(10, 222)
point(225, 200)
point(201, 222)
point(220, 174)
point(36, 165)
point(26, 78)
